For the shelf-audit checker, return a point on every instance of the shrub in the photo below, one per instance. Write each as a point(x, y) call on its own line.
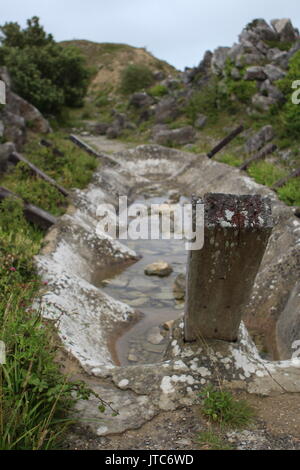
point(135, 78)
point(158, 90)
point(46, 74)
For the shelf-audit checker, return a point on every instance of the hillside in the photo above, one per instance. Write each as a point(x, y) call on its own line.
point(108, 60)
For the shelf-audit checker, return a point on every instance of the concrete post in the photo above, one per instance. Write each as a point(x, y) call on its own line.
point(220, 276)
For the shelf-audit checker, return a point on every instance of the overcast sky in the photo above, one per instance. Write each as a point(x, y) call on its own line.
point(178, 31)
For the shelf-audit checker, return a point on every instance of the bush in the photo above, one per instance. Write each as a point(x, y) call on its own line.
point(135, 78)
point(44, 73)
point(158, 90)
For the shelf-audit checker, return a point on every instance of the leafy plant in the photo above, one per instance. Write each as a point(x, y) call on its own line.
point(220, 406)
point(158, 90)
point(135, 78)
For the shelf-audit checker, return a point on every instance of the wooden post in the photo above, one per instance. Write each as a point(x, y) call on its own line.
point(88, 149)
point(221, 275)
point(266, 150)
point(285, 180)
point(225, 141)
point(32, 213)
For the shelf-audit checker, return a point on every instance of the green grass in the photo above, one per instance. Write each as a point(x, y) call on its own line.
point(230, 159)
point(290, 192)
point(221, 407)
point(266, 173)
point(74, 169)
point(35, 398)
point(209, 440)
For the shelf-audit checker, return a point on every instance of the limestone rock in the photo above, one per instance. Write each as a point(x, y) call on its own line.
point(179, 287)
point(285, 29)
point(288, 326)
point(255, 73)
point(141, 100)
point(281, 59)
point(18, 114)
point(273, 73)
point(262, 103)
point(219, 58)
point(200, 121)
point(160, 268)
point(181, 136)
point(166, 109)
point(258, 140)
point(101, 128)
point(268, 89)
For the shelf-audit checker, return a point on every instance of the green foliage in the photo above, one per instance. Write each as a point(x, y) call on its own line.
point(46, 74)
point(290, 192)
point(135, 78)
point(230, 159)
point(158, 90)
point(265, 173)
point(204, 101)
point(220, 406)
point(281, 45)
point(102, 99)
point(73, 169)
point(35, 398)
point(243, 90)
point(209, 440)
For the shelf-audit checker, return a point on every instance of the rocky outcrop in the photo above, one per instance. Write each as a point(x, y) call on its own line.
point(258, 140)
point(181, 136)
point(17, 116)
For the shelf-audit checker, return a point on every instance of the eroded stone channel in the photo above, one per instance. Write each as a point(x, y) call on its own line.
point(152, 296)
point(88, 312)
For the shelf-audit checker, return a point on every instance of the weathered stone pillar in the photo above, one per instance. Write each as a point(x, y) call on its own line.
point(220, 276)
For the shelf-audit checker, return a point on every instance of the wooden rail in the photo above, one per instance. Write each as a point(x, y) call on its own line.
point(225, 141)
point(17, 157)
point(32, 213)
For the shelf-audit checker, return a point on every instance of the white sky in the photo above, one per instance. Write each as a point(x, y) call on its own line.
point(178, 31)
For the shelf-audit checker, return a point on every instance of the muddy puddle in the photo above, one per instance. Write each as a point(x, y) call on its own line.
point(153, 296)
